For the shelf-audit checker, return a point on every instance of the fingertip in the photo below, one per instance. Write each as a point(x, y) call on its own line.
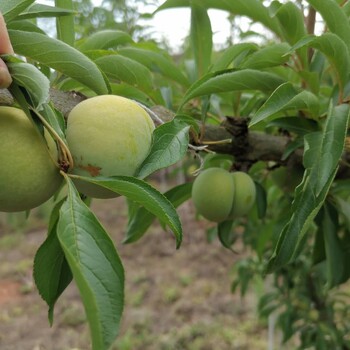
point(5, 77)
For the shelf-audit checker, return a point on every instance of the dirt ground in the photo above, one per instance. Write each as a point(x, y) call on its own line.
point(175, 299)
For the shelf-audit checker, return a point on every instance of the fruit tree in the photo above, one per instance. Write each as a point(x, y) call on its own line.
point(264, 119)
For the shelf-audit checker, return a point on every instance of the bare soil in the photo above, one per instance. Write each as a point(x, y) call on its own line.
point(175, 299)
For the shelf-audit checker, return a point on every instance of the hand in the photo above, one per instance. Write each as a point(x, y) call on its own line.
point(5, 48)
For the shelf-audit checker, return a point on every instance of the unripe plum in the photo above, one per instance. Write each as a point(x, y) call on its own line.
point(245, 194)
point(29, 174)
point(213, 193)
point(107, 135)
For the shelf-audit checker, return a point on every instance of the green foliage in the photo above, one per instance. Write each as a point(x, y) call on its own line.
point(295, 86)
point(95, 265)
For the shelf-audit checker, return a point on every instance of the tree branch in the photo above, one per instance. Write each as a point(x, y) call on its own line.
point(246, 146)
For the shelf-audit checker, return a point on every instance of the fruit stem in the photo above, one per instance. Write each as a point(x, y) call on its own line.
point(219, 142)
point(153, 115)
point(64, 150)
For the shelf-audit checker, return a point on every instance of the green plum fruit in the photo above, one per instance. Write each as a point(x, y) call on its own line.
point(107, 135)
point(245, 194)
point(29, 174)
point(213, 194)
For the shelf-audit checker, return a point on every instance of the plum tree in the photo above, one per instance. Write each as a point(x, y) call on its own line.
point(245, 193)
point(219, 195)
point(29, 173)
point(107, 135)
point(212, 194)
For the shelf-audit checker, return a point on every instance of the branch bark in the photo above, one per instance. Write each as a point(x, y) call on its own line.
point(246, 146)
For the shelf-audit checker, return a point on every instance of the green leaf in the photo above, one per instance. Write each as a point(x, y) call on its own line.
point(318, 253)
point(142, 193)
point(51, 272)
point(40, 11)
point(169, 145)
point(299, 126)
point(142, 219)
point(247, 79)
point(286, 97)
point(292, 147)
point(173, 4)
point(55, 119)
point(226, 234)
point(261, 200)
point(346, 8)
point(253, 9)
point(321, 156)
point(65, 25)
point(201, 38)
point(343, 207)
point(105, 39)
point(35, 82)
point(335, 257)
point(269, 56)
point(291, 20)
point(131, 92)
point(96, 268)
point(231, 53)
point(10, 9)
point(331, 147)
point(24, 25)
point(335, 18)
point(127, 70)
point(156, 62)
point(59, 56)
point(334, 49)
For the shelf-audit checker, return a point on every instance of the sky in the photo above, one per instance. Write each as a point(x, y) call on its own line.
point(174, 24)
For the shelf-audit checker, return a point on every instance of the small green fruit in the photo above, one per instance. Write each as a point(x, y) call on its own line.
point(245, 194)
point(213, 193)
point(107, 135)
point(28, 173)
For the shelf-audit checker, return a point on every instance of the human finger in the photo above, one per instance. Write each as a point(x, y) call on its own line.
point(5, 77)
point(5, 43)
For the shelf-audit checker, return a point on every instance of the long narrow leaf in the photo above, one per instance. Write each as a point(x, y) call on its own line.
point(170, 142)
point(51, 272)
point(105, 39)
point(59, 56)
point(142, 219)
point(253, 9)
point(10, 9)
point(65, 25)
point(96, 268)
point(321, 157)
point(127, 70)
point(270, 56)
point(334, 49)
point(201, 38)
point(286, 97)
point(156, 62)
point(41, 11)
point(247, 79)
point(35, 82)
point(335, 18)
point(292, 22)
point(231, 53)
point(335, 257)
point(142, 193)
